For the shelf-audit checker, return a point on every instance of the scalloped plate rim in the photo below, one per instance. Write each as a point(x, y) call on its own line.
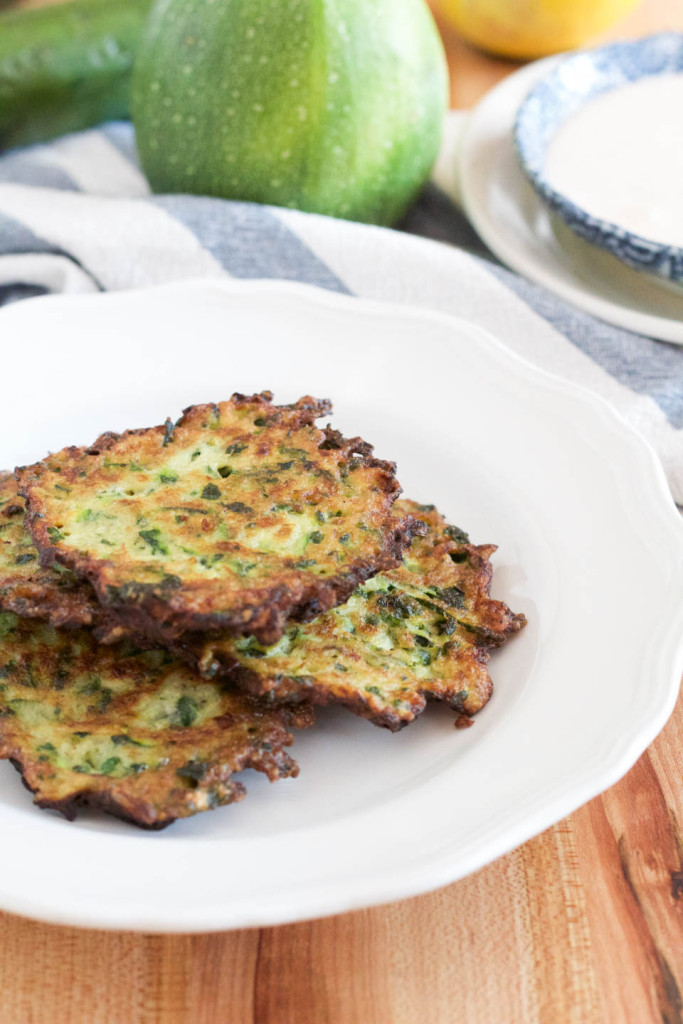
point(444, 866)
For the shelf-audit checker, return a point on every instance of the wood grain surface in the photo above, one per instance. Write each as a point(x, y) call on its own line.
point(581, 925)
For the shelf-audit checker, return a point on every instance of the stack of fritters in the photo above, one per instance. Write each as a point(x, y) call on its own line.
point(173, 599)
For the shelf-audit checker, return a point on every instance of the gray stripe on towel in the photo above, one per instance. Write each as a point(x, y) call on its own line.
point(16, 239)
point(646, 366)
point(21, 167)
point(15, 292)
point(249, 241)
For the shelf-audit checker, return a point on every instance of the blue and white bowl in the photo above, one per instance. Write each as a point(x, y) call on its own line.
point(577, 78)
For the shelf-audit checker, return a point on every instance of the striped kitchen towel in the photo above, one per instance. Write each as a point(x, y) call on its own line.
point(77, 215)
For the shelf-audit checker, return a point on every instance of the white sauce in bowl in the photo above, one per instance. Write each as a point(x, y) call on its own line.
point(620, 158)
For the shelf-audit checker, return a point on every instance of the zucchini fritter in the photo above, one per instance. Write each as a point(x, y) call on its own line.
point(420, 631)
point(54, 594)
point(136, 734)
point(238, 517)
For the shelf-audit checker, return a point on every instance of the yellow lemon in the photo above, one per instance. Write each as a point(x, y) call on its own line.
point(532, 28)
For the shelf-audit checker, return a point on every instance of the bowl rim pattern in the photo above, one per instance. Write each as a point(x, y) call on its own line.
point(577, 78)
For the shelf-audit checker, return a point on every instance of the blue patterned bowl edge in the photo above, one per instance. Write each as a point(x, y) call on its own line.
point(579, 77)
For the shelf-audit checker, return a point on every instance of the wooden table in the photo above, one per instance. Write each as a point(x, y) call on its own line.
point(582, 924)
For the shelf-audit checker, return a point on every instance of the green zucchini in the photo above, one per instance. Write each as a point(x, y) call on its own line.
point(330, 106)
point(66, 66)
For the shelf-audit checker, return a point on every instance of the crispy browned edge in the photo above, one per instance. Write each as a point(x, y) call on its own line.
point(114, 797)
point(158, 611)
point(64, 605)
point(387, 719)
point(503, 624)
point(132, 812)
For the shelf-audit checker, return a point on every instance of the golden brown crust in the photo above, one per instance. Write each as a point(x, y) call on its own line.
point(26, 587)
point(133, 733)
point(53, 594)
point(238, 517)
point(421, 631)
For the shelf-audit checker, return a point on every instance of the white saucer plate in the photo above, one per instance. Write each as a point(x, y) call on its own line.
point(590, 549)
point(521, 231)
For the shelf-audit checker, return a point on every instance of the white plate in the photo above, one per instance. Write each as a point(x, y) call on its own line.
point(520, 230)
point(590, 549)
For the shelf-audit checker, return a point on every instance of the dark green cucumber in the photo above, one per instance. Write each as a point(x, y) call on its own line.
point(66, 67)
